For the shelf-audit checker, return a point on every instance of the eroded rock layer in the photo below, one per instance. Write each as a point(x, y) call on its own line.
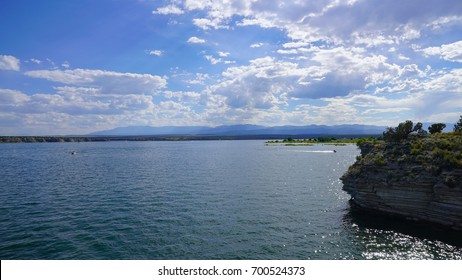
point(418, 179)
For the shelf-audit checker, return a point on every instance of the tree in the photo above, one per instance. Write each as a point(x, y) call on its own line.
point(402, 131)
point(396, 134)
point(323, 139)
point(458, 126)
point(436, 128)
point(419, 130)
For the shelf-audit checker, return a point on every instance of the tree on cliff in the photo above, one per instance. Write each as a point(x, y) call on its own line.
point(418, 129)
point(458, 126)
point(402, 131)
point(436, 128)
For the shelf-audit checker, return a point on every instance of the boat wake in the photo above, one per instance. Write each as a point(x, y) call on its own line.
point(323, 151)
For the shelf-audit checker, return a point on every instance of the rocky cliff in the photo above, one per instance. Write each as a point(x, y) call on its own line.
point(418, 179)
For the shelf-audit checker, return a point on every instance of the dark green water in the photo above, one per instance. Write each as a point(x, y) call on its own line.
point(192, 200)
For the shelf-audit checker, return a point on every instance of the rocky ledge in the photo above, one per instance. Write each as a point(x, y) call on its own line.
point(417, 179)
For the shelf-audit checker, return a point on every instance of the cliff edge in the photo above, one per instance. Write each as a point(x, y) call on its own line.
point(418, 179)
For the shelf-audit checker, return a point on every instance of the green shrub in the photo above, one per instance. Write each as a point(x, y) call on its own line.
point(360, 141)
point(378, 160)
point(446, 158)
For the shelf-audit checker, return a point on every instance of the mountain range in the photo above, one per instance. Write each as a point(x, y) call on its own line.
point(249, 129)
point(244, 129)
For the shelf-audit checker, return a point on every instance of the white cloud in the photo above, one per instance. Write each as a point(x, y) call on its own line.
point(370, 23)
point(440, 92)
point(295, 45)
point(106, 81)
point(445, 21)
point(268, 82)
point(36, 61)
point(261, 85)
point(412, 79)
point(176, 113)
point(183, 96)
point(9, 97)
point(8, 62)
point(155, 52)
point(354, 67)
point(450, 52)
point(288, 52)
point(328, 74)
point(198, 79)
point(51, 63)
point(257, 45)
point(300, 51)
point(195, 40)
point(218, 13)
point(214, 60)
point(74, 113)
point(78, 102)
point(223, 54)
point(259, 21)
point(451, 117)
point(197, 4)
point(206, 24)
point(403, 57)
point(446, 81)
point(66, 64)
point(372, 39)
point(168, 10)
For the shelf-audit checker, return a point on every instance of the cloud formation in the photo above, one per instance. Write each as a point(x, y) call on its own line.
point(168, 10)
point(155, 52)
point(9, 62)
point(195, 40)
point(450, 52)
point(261, 62)
point(104, 81)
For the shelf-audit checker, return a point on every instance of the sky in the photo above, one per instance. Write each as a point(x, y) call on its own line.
point(79, 66)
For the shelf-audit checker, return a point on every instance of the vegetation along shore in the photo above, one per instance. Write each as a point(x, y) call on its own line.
point(324, 140)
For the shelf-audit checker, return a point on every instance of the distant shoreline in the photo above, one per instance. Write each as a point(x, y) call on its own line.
point(70, 139)
point(324, 140)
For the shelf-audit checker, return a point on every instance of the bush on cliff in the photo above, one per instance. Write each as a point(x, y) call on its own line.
point(407, 144)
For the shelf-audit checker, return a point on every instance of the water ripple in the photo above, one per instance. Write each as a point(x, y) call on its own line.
point(190, 200)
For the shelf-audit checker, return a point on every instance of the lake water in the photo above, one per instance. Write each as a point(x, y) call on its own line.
point(192, 200)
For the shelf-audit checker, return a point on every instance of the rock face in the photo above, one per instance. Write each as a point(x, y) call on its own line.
point(418, 179)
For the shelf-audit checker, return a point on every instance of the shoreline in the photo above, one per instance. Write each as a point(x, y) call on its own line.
point(61, 139)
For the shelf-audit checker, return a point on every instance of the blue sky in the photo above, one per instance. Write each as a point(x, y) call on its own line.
point(72, 67)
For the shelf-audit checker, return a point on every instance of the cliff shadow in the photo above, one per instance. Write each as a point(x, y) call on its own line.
point(368, 219)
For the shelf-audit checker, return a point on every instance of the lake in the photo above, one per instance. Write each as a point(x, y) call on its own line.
point(193, 200)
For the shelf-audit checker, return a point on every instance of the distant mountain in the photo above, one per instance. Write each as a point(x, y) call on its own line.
point(245, 129)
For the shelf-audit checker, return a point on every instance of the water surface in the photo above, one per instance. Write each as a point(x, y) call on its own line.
point(190, 200)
